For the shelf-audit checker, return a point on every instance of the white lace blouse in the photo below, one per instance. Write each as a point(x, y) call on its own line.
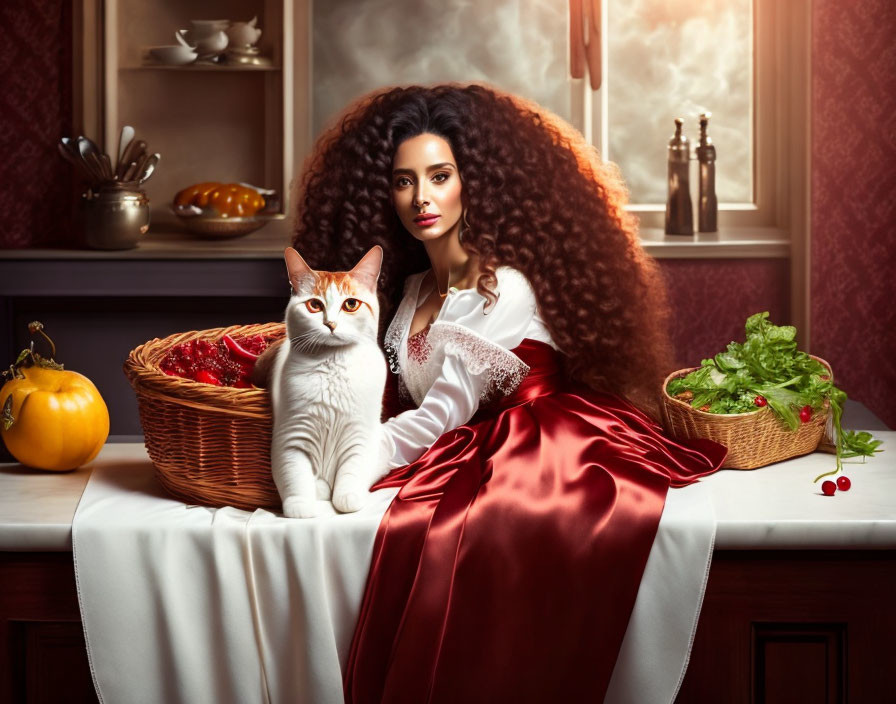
point(467, 359)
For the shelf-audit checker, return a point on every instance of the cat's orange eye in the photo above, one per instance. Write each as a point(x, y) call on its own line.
point(351, 305)
point(314, 305)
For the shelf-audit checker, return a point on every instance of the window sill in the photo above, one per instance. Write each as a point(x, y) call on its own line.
point(728, 243)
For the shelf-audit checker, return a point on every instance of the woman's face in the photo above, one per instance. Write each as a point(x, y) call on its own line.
point(426, 187)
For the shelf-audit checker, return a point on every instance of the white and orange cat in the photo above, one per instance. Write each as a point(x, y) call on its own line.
point(326, 383)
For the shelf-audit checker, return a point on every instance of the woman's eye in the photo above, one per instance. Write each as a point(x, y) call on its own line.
point(314, 305)
point(351, 305)
point(402, 181)
point(440, 177)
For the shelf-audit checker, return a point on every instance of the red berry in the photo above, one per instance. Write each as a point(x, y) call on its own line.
point(806, 414)
point(828, 488)
point(254, 343)
point(204, 348)
point(843, 483)
point(760, 401)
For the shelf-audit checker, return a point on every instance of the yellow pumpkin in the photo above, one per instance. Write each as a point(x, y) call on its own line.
point(59, 419)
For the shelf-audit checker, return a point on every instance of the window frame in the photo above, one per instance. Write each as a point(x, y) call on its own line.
point(777, 223)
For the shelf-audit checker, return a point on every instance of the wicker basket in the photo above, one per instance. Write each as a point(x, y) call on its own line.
point(211, 445)
point(753, 439)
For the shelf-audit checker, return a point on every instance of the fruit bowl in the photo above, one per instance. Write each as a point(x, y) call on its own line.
point(212, 226)
point(221, 211)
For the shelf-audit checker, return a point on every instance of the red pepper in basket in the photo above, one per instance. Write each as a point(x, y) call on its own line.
point(206, 377)
point(238, 349)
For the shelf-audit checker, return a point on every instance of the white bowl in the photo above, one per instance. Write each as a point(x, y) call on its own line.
point(175, 55)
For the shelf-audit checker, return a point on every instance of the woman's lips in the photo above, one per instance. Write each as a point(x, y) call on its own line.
point(426, 221)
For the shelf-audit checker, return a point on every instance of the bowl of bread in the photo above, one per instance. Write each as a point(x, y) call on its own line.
point(217, 210)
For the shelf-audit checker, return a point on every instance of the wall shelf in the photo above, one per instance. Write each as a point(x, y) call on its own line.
point(238, 128)
point(214, 68)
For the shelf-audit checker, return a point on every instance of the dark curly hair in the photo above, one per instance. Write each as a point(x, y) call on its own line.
point(537, 197)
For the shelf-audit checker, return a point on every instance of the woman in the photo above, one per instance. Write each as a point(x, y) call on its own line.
point(525, 313)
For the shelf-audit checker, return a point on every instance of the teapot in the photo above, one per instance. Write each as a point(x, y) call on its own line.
point(244, 34)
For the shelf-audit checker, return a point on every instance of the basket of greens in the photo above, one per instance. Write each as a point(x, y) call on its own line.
point(763, 399)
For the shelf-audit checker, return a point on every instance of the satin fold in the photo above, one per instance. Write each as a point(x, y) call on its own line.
point(507, 566)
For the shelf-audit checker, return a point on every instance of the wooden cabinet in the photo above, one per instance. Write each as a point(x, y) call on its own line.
point(42, 652)
point(209, 122)
point(780, 627)
point(776, 627)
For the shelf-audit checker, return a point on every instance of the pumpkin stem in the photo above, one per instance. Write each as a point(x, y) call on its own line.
point(37, 326)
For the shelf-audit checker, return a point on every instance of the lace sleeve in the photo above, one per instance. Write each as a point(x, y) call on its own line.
point(450, 402)
point(503, 371)
point(395, 333)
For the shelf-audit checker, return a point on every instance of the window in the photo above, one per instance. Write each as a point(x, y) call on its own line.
point(518, 45)
point(677, 59)
point(666, 60)
point(661, 60)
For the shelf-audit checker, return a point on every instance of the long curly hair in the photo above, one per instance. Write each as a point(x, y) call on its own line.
point(536, 197)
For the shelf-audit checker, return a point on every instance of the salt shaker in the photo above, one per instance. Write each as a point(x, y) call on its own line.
point(679, 213)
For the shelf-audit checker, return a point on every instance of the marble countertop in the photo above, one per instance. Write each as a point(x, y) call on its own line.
point(775, 507)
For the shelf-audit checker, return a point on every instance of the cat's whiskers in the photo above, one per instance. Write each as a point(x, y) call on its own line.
point(305, 342)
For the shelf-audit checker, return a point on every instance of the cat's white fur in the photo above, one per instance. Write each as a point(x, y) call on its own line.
point(326, 389)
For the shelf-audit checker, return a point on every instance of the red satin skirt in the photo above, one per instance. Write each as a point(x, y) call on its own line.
point(507, 567)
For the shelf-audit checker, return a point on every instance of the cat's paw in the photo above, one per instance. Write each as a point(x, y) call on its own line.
point(349, 501)
point(300, 507)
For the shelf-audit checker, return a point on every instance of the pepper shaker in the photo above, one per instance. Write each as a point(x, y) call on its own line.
point(708, 205)
point(679, 213)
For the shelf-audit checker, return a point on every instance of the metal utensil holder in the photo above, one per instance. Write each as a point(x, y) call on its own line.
point(115, 218)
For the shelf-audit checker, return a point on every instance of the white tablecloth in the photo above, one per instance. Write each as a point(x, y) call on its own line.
point(190, 604)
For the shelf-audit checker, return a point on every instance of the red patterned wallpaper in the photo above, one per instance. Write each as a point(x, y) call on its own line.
point(36, 185)
point(854, 197)
point(711, 300)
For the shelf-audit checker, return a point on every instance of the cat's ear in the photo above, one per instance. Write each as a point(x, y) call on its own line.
point(296, 268)
point(367, 271)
